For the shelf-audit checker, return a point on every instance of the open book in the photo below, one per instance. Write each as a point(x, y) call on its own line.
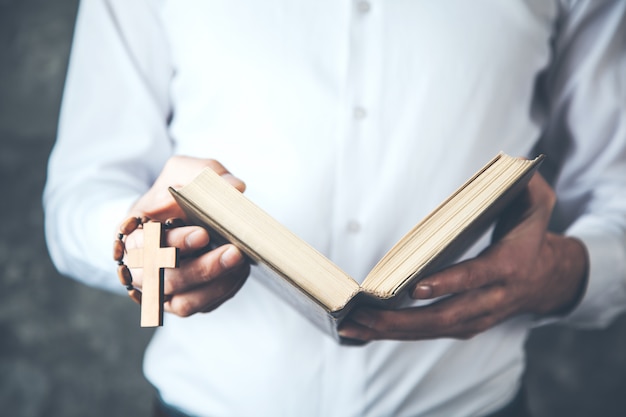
point(316, 286)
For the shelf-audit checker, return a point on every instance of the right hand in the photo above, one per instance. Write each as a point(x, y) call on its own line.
point(205, 278)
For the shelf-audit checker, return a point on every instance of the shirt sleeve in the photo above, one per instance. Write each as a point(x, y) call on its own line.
point(112, 138)
point(585, 141)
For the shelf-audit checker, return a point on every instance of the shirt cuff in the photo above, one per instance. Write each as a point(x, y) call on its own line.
point(605, 295)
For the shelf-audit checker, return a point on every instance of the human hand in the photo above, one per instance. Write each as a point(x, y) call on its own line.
point(158, 203)
point(205, 278)
point(525, 270)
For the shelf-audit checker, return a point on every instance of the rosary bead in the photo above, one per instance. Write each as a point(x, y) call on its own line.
point(174, 222)
point(124, 275)
point(135, 295)
point(118, 250)
point(129, 225)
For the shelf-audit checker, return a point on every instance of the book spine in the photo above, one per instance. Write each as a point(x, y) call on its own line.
point(323, 319)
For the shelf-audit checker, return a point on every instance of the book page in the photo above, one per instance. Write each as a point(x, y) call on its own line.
point(213, 202)
point(452, 227)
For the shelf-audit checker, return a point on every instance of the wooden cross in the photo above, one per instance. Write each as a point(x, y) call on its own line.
point(152, 258)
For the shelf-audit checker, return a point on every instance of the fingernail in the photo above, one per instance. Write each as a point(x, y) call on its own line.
point(347, 330)
point(231, 257)
point(423, 291)
point(197, 239)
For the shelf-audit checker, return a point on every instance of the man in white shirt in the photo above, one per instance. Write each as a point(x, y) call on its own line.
point(349, 121)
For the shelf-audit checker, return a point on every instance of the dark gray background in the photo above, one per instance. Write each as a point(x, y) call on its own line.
point(69, 350)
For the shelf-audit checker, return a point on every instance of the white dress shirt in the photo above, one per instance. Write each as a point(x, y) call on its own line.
point(349, 121)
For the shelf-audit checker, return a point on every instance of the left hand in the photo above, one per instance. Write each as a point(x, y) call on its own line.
point(205, 278)
point(526, 270)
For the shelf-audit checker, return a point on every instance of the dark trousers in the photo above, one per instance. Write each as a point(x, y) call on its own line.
point(518, 407)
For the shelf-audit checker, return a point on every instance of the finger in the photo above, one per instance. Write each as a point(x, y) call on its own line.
point(187, 239)
point(352, 330)
point(532, 207)
point(454, 317)
point(202, 269)
point(158, 204)
point(462, 277)
point(207, 297)
point(371, 324)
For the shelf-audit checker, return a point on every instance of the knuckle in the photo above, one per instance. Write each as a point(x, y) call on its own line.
point(506, 268)
point(207, 270)
point(500, 295)
point(472, 276)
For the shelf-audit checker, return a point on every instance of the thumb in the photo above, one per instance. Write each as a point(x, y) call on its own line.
point(157, 203)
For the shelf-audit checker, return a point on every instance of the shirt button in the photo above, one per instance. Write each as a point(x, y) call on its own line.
point(359, 113)
point(363, 6)
point(354, 226)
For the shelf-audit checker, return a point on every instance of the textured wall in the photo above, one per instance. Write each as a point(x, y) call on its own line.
point(65, 349)
point(69, 350)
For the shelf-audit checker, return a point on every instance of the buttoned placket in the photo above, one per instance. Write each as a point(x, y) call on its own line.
point(353, 156)
point(356, 154)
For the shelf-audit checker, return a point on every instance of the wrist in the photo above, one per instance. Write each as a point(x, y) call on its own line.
point(571, 262)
